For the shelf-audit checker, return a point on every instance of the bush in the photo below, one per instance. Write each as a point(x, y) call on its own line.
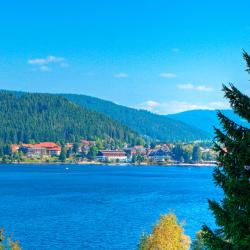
point(8, 244)
point(198, 243)
point(167, 234)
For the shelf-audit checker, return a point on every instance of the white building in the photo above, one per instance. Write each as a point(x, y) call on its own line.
point(111, 155)
point(157, 156)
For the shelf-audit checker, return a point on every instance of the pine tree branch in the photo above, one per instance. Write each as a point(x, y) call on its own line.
point(247, 59)
point(213, 240)
point(221, 215)
point(239, 102)
point(235, 131)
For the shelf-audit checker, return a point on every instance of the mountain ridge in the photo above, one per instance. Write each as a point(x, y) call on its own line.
point(41, 117)
point(149, 125)
point(143, 122)
point(206, 119)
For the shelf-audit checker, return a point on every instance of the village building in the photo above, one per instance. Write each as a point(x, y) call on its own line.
point(157, 156)
point(41, 149)
point(55, 151)
point(85, 143)
point(111, 155)
point(14, 148)
point(129, 152)
point(140, 150)
point(69, 145)
point(36, 151)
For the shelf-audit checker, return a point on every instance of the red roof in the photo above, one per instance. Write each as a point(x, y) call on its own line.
point(26, 145)
point(85, 142)
point(47, 144)
point(55, 149)
point(14, 148)
point(111, 153)
point(139, 147)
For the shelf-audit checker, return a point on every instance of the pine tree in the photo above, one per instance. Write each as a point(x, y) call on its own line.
point(62, 156)
point(196, 155)
point(232, 174)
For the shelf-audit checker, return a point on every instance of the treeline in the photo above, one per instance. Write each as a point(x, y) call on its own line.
point(146, 124)
point(44, 117)
point(156, 127)
point(191, 153)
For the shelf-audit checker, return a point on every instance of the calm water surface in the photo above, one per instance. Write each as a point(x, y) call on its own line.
point(99, 207)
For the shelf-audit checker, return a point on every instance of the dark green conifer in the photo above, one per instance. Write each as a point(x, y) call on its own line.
point(232, 174)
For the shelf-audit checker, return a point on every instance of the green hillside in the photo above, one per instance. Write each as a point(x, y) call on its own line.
point(42, 117)
point(143, 122)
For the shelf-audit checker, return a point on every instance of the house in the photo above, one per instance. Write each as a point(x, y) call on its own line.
point(111, 155)
point(52, 148)
point(129, 152)
point(47, 144)
point(36, 151)
point(140, 150)
point(14, 148)
point(85, 143)
point(69, 145)
point(41, 149)
point(157, 155)
point(55, 151)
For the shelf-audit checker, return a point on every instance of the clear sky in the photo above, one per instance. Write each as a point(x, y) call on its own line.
point(164, 56)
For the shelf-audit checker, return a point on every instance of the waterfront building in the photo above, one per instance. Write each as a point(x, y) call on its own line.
point(158, 155)
point(111, 155)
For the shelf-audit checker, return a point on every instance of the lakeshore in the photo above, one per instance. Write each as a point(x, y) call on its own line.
point(96, 163)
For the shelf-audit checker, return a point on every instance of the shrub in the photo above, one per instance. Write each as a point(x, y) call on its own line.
point(8, 244)
point(167, 234)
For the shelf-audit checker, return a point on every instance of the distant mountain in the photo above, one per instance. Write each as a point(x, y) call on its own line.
point(143, 122)
point(47, 117)
point(205, 119)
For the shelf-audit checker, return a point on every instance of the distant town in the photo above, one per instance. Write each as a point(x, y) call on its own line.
point(99, 151)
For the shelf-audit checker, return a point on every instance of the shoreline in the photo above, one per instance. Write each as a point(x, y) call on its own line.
point(94, 163)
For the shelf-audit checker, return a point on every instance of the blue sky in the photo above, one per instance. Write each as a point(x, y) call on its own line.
point(164, 56)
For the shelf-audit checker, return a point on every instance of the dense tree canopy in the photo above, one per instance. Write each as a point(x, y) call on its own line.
point(44, 117)
point(145, 123)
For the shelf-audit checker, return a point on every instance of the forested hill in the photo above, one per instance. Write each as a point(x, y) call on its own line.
point(206, 119)
point(42, 117)
point(143, 122)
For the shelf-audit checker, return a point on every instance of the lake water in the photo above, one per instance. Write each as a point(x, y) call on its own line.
point(99, 207)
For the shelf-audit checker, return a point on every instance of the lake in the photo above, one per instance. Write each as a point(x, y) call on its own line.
point(99, 207)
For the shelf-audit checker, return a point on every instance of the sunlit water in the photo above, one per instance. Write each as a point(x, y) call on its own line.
point(99, 207)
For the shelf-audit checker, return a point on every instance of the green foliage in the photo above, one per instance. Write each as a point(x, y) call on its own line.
point(198, 243)
point(99, 144)
point(92, 152)
point(196, 155)
point(145, 123)
point(182, 153)
point(75, 148)
point(143, 242)
point(177, 153)
point(44, 117)
point(232, 174)
point(62, 156)
point(139, 159)
point(152, 145)
point(208, 156)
